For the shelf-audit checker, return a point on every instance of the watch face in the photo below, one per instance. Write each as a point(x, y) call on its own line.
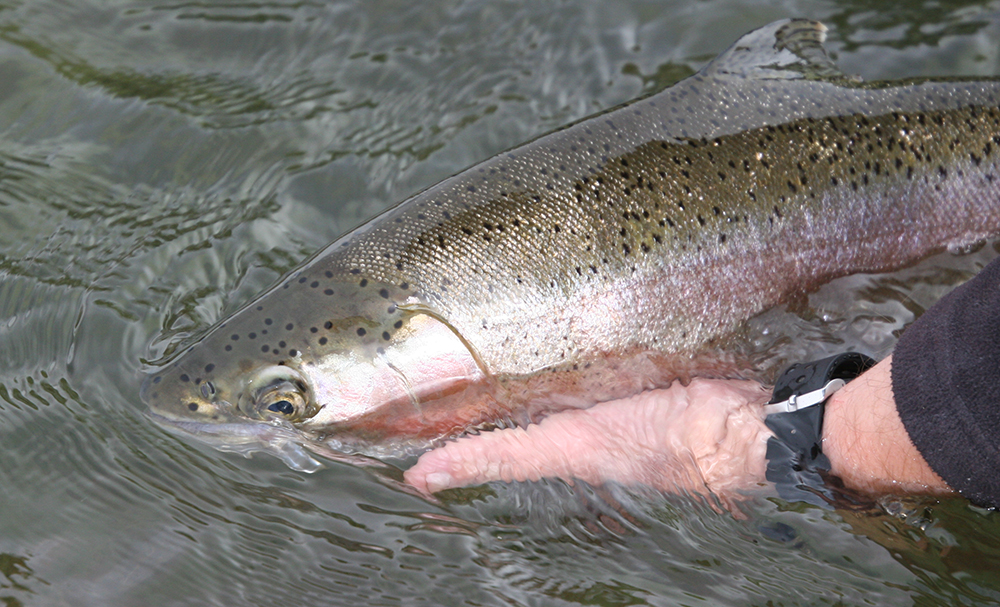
point(802, 378)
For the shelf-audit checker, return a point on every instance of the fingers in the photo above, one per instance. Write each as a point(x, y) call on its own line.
point(660, 438)
point(561, 446)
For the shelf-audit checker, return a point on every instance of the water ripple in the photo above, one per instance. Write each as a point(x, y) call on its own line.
point(162, 162)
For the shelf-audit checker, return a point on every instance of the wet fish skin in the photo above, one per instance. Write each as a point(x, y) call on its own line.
point(609, 257)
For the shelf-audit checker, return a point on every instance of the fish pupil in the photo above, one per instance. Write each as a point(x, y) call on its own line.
point(282, 406)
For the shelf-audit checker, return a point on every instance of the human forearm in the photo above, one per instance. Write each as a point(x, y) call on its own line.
point(868, 447)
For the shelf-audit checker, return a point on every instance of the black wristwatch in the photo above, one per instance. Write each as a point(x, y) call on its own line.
point(795, 460)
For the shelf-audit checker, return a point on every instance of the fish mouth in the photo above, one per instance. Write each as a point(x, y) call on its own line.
point(246, 437)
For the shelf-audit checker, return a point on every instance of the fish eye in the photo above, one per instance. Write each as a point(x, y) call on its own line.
point(282, 406)
point(284, 400)
point(277, 393)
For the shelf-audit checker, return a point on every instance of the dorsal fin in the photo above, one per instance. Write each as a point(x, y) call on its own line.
point(791, 49)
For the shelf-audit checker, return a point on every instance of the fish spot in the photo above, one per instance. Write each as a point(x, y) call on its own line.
point(385, 335)
point(314, 284)
point(265, 349)
point(234, 337)
point(313, 330)
point(328, 325)
point(252, 335)
point(282, 344)
point(328, 292)
point(398, 324)
point(228, 348)
point(303, 279)
point(293, 352)
point(184, 378)
point(384, 293)
point(328, 274)
point(157, 379)
point(268, 321)
point(289, 327)
point(363, 283)
point(322, 341)
point(361, 332)
point(193, 406)
point(209, 368)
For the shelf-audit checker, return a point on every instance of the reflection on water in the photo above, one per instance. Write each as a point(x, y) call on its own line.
point(18, 580)
point(162, 163)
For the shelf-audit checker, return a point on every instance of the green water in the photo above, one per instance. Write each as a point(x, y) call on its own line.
point(162, 162)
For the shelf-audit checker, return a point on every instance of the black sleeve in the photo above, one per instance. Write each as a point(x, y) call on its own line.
point(946, 382)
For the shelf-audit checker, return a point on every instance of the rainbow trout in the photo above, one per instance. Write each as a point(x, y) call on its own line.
point(606, 258)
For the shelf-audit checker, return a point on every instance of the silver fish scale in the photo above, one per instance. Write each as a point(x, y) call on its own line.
point(533, 230)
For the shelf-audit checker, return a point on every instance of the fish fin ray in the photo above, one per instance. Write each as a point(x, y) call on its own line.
point(791, 49)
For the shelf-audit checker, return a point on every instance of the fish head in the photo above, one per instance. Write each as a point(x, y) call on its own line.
point(319, 362)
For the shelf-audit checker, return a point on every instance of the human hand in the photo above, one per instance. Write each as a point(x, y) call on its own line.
point(706, 437)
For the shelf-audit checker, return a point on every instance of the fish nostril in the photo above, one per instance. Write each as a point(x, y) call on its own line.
point(207, 390)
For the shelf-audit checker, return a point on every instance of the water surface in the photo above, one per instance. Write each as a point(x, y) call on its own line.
point(161, 163)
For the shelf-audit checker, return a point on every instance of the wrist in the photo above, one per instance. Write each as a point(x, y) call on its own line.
point(867, 444)
point(796, 463)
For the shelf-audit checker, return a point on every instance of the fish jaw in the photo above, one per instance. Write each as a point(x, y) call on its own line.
point(195, 408)
point(247, 437)
point(383, 375)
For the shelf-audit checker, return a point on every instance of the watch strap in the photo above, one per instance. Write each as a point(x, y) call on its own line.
point(795, 460)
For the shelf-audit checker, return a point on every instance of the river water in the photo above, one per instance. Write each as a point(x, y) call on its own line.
point(163, 161)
